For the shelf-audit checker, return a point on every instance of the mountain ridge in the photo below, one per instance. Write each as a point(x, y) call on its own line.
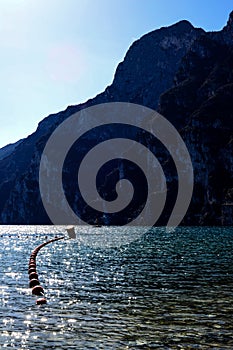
point(178, 70)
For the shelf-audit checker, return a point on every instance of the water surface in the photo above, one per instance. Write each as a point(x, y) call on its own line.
point(162, 291)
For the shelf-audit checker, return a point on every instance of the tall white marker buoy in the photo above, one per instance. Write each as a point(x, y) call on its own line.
point(71, 232)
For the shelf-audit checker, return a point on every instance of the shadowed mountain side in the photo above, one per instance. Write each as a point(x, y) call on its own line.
point(185, 74)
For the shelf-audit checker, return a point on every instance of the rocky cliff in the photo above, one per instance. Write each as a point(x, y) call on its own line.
point(187, 75)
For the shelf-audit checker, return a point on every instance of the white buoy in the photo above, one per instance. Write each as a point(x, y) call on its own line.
point(71, 232)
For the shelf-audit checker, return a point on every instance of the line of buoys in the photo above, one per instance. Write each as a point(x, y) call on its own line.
point(21, 236)
point(33, 276)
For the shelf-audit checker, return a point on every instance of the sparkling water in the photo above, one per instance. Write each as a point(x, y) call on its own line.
point(159, 290)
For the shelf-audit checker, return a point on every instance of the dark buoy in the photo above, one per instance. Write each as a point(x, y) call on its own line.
point(38, 290)
point(41, 301)
point(34, 282)
point(33, 275)
point(32, 266)
point(32, 261)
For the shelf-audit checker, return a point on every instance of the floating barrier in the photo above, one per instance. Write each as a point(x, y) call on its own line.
point(38, 290)
point(33, 276)
point(31, 269)
point(41, 301)
point(34, 282)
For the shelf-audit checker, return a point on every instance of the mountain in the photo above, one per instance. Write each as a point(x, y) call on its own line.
point(184, 73)
point(8, 149)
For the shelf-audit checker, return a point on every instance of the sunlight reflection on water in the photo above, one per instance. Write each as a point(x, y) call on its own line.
point(164, 291)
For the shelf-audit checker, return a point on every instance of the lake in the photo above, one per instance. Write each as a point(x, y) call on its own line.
point(159, 290)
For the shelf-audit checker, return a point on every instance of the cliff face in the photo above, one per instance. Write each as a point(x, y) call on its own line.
point(202, 96)
point(184, 73)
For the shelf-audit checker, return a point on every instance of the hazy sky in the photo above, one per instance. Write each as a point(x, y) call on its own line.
point(60, 52)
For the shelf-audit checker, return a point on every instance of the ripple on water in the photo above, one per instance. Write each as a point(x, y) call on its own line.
point(164, 291)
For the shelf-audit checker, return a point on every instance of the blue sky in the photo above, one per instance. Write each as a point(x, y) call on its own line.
point(60, 52)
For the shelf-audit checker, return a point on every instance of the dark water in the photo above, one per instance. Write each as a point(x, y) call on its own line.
point(162, 291)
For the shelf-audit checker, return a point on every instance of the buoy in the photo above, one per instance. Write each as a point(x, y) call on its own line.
point(31, 264)
point(41, 301)
point(71, 232)
point(38, 290)
point(34, 282)
point(31, 267)
point(32, 261)
point(33, 275)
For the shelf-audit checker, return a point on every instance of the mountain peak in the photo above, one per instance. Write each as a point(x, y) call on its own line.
point(181, 26)
point(185, 73)
point(229, 26)
point(230, 21)
point(184, 23)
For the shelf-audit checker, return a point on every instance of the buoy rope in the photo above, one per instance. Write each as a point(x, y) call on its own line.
point(32, 272)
